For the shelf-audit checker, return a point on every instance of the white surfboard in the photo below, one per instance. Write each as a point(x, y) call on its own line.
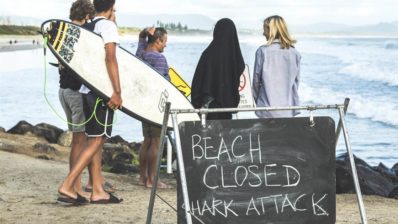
point(144, 91)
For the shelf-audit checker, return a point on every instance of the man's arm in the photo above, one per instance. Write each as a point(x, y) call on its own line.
point(113, 71)
point(142, 40)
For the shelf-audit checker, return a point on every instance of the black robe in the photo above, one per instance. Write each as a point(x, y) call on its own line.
point(217, 75)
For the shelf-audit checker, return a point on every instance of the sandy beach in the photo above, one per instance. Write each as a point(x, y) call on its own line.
point(28, 195)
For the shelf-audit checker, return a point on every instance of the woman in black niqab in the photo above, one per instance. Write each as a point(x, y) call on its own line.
point(217, 75)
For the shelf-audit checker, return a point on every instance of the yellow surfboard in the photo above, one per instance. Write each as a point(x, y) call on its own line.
point(178, 82)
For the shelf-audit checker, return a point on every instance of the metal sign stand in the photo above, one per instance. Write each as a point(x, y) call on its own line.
point(342, 108)
point(159, 158)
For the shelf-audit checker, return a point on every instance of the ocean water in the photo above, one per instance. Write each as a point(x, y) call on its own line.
point(333, 68)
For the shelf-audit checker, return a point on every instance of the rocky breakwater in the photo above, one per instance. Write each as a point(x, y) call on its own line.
point(45, 141)
point(373, 180)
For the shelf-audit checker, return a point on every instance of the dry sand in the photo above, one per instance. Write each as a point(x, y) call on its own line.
point(28, 195)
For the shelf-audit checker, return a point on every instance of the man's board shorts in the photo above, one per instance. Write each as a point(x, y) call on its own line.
point(101, 121)
point(150, 131)
point(72, 103)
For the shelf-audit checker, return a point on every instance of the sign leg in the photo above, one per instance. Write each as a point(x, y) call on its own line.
point(353, 168)
point(160, 154)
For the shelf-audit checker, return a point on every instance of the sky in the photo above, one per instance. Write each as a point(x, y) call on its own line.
point(246, 13)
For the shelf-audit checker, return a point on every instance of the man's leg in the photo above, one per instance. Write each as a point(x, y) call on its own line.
point(97, 160)
point(152, 158)
point(95, 169)
point(94, 145)
point(78, 144)
point(143, 157)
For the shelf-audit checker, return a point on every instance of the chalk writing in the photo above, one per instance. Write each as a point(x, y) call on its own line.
point(260, 171)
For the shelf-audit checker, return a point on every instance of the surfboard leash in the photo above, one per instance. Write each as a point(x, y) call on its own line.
point(99, 100)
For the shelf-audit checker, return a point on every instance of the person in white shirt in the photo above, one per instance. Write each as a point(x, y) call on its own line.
point(96, 131)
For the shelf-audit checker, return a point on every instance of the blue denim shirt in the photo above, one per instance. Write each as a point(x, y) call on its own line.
point(276, 79)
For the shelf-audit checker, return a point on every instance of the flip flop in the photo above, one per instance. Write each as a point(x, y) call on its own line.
point(80, 200)
point(111, 200)
point(161, 185)
point(108, 188)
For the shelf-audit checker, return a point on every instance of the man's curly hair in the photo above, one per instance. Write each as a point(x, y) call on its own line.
point(80, 9)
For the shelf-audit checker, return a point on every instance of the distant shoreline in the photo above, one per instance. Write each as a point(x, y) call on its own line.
point(20, 42)
point(19, 47)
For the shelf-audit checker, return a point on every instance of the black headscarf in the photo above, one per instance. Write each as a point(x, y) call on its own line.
point(217, 74)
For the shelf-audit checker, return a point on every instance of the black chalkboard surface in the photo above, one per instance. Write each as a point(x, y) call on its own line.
point(261, 170)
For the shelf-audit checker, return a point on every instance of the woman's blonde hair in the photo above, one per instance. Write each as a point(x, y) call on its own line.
point(277, 29)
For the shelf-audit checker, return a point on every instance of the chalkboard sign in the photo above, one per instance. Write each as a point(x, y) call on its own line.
point(260, 171)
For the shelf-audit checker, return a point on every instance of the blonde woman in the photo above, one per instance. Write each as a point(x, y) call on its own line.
point(276, 70)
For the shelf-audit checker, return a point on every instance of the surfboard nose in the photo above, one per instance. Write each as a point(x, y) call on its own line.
point(50, 30)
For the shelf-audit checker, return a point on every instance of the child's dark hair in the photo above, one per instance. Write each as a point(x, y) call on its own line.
point(158, 34)
point(80, 9)
point(103, 5)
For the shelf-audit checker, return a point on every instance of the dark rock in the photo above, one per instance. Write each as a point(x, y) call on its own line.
point(117, 140)
point(2, 130)
point(119, 158)
point(371, 182)
point(109, 151)
point(395, 169)
point(65, 139)
point(21, 128)
point(123, 157)
point(134, 146)
point(47, 131)
point(387, 172)
point(122, 168)
point(394, 193)
point(344, 183)
point(44, 157)
point(43, 148)
point(345, 157)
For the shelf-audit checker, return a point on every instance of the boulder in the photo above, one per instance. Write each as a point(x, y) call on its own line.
point(123, 157)
point(394, 193)
point(47, 131)
point(119, 158)
point(65, 139)
point(44, 157)
point(22, 128)
point(109, 151)
point(344, 183)
point(395, 169)
point(44, 148)
point(387, 172)
point(117, 140)
point(122, 168)
point(371, 181)
point(135, 146)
